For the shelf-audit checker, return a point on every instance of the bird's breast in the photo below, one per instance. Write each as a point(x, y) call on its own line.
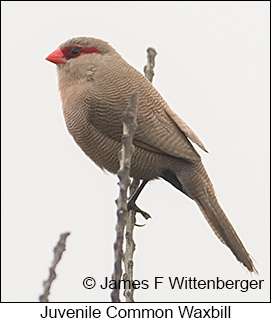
point(85, 120)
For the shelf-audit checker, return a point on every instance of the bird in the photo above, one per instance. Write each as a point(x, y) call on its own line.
point(95, 85)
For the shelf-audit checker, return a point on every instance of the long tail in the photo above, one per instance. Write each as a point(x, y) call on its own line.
point(196, 184)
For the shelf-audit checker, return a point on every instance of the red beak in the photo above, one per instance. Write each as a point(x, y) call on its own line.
point(56, 57)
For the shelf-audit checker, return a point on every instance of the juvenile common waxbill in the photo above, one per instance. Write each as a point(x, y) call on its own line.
point(95, 84)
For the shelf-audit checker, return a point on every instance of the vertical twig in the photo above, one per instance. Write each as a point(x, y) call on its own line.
point(128, 257)
point(130, 244)
point(148, 69)
point(58, 251)
point(125, 155)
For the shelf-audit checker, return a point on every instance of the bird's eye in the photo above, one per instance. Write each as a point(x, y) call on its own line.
point(75, 51)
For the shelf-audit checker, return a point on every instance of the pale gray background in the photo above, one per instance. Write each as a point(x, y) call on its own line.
point(213, 69)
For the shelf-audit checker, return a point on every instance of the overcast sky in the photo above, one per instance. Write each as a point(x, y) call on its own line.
point(212, 68)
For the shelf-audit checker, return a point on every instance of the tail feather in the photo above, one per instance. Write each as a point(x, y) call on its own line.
point(224, 230)
point(197, 185)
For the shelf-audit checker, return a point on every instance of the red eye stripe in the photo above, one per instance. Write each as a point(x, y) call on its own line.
point(67, 51)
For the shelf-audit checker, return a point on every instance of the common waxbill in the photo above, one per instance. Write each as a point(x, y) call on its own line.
point(95, 84)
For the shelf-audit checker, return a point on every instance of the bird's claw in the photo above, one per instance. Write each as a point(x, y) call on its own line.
point(139, 225)
point(132, 206)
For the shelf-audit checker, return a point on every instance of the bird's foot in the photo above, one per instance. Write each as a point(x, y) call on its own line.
point(132, 206)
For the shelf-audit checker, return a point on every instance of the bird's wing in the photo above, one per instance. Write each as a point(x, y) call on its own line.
point(160, 129)
point(185, 128)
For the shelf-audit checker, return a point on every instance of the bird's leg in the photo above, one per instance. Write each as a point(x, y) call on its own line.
point(131, 205)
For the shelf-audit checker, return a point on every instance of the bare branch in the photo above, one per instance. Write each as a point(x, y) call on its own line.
point(125, 218)
point(130, 244)
point(148, 69)
point(125, 155)
point(58, 251)
point(128, 257)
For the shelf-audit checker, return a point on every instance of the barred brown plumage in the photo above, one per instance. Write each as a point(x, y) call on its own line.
point(95, 84)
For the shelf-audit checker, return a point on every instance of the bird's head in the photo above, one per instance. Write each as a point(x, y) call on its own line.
point(77, 47)
point(79, 57)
